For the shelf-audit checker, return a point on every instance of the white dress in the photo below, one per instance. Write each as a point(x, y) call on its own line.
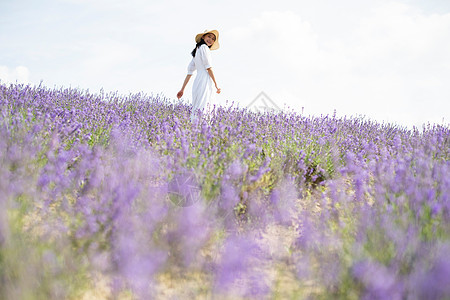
point(203, 87)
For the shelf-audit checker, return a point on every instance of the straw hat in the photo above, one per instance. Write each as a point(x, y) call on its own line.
point(214, 46)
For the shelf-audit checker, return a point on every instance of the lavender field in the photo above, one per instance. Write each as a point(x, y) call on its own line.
point(104, 196)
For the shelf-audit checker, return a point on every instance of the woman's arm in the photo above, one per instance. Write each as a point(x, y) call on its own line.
point(186, 80)
point(210, 72)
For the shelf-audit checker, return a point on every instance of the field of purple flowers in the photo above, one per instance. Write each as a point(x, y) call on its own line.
point(111, 196)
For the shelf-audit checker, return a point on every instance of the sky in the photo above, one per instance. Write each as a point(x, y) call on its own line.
point(382, 60)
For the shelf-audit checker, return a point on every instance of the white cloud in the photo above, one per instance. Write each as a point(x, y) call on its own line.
point(281, 37)
point(398, 35)
point(106, 54)
point(269, 53)
point(393, 66)
point(19, 74)
point(399, 57)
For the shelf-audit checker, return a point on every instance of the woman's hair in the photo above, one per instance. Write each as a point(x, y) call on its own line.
point(202, 41)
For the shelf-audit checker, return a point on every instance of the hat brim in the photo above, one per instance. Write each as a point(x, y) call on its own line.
point(214, 46)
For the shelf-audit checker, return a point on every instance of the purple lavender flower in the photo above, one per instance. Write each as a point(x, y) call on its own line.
point(239, 264)
point(92, 179)
point(433, 282)
point(378, 282)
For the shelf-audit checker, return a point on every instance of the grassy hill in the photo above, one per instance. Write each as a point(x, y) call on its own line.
point(106, 195)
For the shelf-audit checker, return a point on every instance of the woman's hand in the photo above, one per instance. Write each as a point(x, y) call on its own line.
point(211, 73)
point(186, 80)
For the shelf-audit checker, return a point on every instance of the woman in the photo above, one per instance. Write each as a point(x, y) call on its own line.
point(204, 83)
